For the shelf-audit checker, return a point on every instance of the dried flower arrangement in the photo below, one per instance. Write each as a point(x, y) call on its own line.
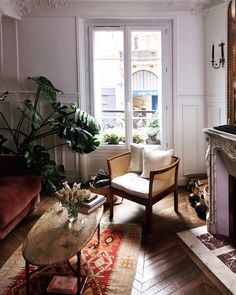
point(72, 199)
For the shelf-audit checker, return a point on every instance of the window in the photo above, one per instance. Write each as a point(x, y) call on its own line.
point(128, 66)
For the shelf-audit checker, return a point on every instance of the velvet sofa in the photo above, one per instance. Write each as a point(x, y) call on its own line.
point(19, 192)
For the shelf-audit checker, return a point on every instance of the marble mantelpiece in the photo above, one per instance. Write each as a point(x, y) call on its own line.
point(221, 162)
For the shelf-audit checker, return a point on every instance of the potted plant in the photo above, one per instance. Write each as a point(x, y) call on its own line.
point(73, 127)
point(137, 137)
point(153, 130)
point(113, 136)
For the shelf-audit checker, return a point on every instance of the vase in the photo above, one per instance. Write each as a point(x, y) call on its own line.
point(157, 141)
point(72, 214)
point(74, 217)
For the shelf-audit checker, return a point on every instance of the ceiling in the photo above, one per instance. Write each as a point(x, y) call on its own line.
point(24, 7)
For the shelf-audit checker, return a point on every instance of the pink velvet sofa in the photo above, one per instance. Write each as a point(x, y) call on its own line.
point(19, 192)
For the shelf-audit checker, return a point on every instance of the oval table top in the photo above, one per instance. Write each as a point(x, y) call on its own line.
point(54, 239)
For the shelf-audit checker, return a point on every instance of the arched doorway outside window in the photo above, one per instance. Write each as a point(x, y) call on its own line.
point(145, 101)
point(145, 88)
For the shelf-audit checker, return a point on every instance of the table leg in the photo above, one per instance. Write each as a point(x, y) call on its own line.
point(98, 233)
point(81, 280)
point(78, 263)
point(27, 278)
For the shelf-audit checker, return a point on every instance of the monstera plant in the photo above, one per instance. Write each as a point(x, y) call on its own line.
point(74, 128)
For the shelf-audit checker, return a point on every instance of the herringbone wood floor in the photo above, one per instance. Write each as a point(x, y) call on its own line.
point(165, 266)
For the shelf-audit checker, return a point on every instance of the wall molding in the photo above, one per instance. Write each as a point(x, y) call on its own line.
point(190, 144)
point(25, 7)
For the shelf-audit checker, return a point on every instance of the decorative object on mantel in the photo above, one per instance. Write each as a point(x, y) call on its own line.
point(72, 199)
point(217, 65)
point(226, 128)
point(110, 267)
point(24, 7)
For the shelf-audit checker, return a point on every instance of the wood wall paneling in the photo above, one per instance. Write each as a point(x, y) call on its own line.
point(191, 139)
point(216, 111)
point(10, 62)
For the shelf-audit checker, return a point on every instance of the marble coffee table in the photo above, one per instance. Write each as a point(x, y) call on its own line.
point(53, 239)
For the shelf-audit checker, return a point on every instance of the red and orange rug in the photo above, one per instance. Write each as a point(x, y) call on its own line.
point(110, 267)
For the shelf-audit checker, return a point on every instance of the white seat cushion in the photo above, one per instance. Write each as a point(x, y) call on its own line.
point(133, 184)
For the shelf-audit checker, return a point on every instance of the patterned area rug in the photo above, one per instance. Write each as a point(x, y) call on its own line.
point(216, 252)
point(110, 267)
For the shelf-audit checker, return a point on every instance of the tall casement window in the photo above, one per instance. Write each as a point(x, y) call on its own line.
point(131, 82)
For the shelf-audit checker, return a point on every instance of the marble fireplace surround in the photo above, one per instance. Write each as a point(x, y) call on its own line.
point(221, 162)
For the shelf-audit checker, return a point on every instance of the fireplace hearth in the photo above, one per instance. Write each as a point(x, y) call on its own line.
point(221, 170)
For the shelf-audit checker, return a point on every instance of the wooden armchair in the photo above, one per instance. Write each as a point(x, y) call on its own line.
point(143, 191)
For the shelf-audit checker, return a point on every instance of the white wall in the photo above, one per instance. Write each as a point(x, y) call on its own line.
point(189, 94)
point(49, 45)
point(215, 28)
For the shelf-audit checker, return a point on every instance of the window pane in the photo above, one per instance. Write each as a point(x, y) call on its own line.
point(113, 129)
point(146, 85)
point(146, 45)
point(109, 84)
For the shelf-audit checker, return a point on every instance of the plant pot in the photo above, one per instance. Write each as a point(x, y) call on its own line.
point(157, 141)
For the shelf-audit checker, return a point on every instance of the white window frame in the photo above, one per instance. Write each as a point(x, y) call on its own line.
point(167, 84)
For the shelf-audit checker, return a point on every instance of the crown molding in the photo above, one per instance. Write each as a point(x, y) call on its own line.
point(24, 7)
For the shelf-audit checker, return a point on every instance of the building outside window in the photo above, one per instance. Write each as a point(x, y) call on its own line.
point(127, 83)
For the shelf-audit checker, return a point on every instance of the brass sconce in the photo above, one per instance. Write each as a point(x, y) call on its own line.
point(221, 62)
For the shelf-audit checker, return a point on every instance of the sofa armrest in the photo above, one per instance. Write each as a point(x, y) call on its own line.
point(11, 165)
point(118, 165)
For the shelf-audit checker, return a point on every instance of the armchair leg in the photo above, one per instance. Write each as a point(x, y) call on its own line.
point(176, 201)
point(148, 218)
point(111, 201)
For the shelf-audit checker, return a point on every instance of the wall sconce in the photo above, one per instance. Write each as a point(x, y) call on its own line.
point(221, 62)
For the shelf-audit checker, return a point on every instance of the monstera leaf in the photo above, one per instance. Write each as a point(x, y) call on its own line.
point(46, 87)
point(32, 113)
point(75, 127)
point(38, 159)
point(78, 128)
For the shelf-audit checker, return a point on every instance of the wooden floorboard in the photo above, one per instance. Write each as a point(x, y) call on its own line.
point(164, 265)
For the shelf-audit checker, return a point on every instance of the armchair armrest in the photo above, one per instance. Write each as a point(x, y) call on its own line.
point(164, 178)
point(118, 165)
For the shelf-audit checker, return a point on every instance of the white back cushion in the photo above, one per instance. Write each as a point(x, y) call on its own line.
point(136, 161)
point(154, 159)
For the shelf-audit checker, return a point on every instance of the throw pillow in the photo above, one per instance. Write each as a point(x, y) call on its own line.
point(154, 159)
point(136, 161)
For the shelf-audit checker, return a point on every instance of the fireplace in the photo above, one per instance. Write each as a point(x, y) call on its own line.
point(221, 170)
point(232, 207)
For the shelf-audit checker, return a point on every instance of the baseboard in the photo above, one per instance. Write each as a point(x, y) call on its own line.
point(182, 180)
